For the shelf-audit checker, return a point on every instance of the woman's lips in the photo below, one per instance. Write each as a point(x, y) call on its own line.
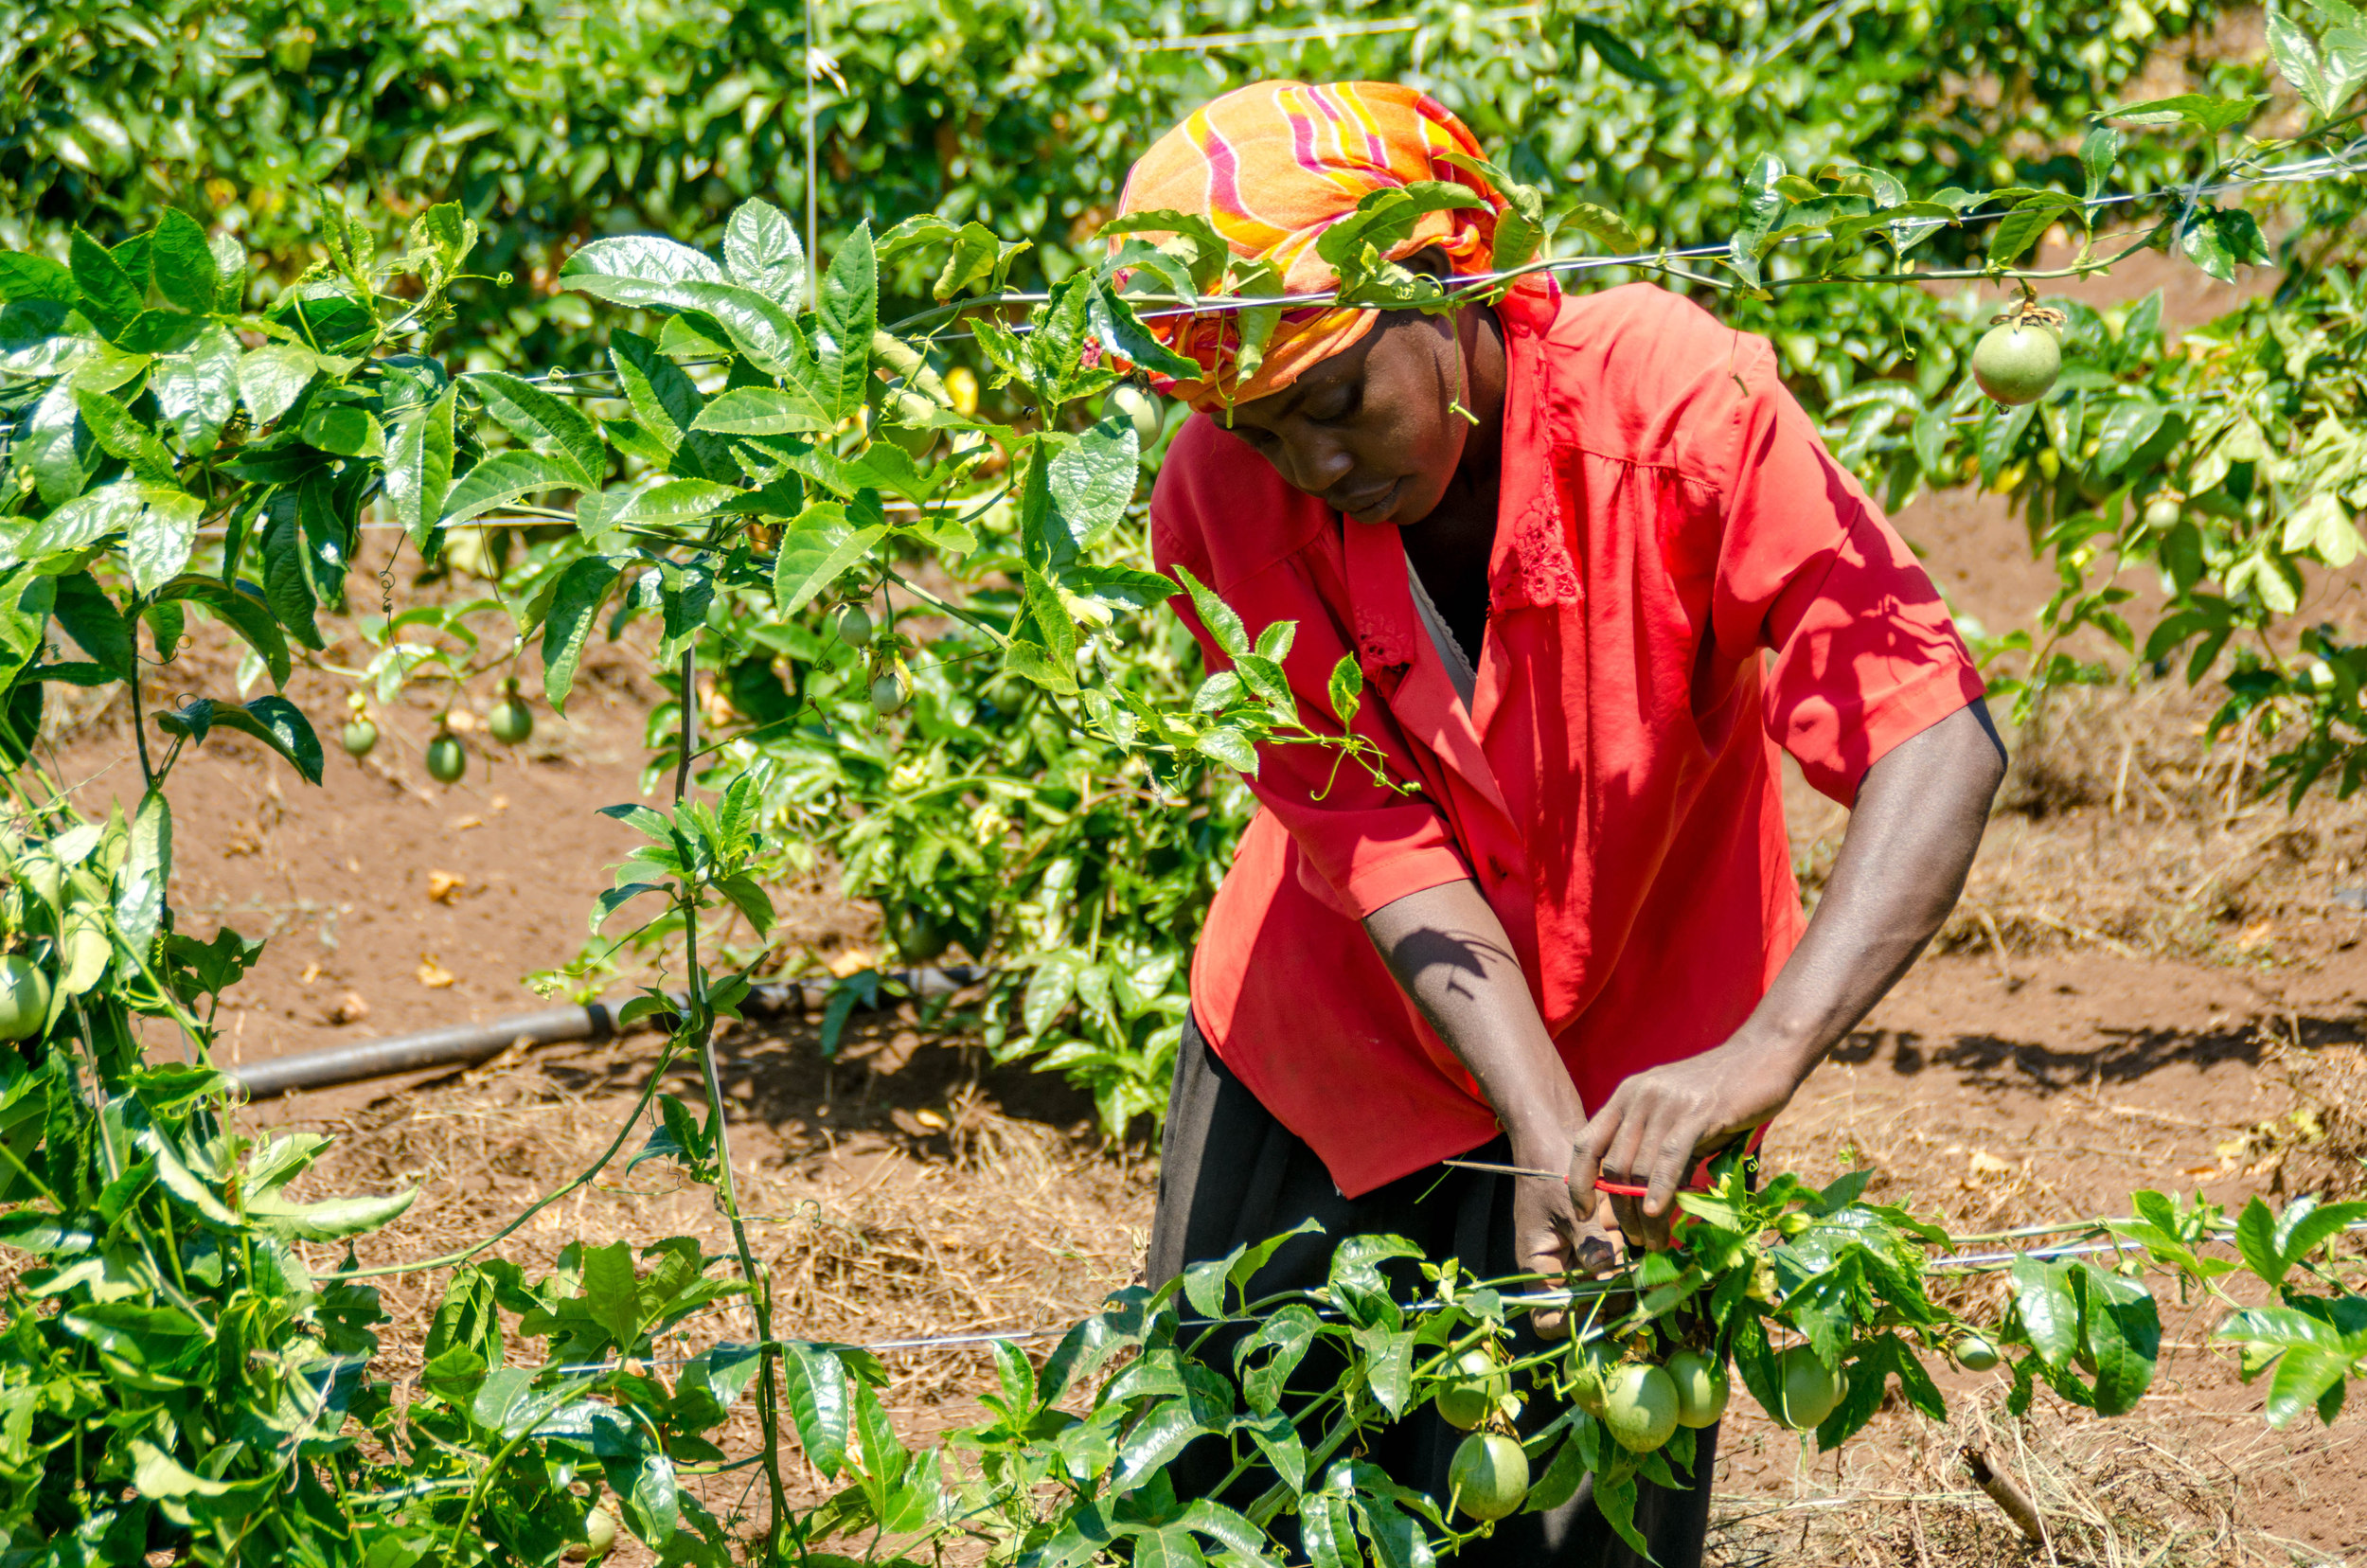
point(1363, 504)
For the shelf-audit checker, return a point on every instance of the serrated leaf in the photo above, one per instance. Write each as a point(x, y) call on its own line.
point(849, 317)
point(576, 601)
point(815, 549)
point(760, 247)
point(182, 263)
point(550, 425)
point(419, 470)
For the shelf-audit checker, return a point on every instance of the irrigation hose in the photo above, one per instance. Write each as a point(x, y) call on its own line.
point(465, 1045)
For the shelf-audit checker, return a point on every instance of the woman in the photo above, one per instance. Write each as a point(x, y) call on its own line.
point(1586, 614)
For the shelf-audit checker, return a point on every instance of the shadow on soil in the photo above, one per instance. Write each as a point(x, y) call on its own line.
point(2124, 1055)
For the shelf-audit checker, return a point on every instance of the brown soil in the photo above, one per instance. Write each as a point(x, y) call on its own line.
point(2156, 980)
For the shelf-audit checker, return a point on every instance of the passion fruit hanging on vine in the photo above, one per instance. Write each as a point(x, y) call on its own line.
point(360, 737)
point(1489, 1476)
point(23, 997)
point(445, 758)
point(2016, 362)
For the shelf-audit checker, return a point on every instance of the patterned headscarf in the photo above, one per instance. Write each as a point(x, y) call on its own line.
point(1271, 167)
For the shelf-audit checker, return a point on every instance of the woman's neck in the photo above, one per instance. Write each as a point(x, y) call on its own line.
point(1465, 517)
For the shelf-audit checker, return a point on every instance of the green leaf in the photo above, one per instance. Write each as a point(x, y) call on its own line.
point(612, 1292)
point(2304, 1377)
point(91, 618)
point(344, 431)
point(418, 470)
point(245, 615)
point(576, 602)
point(1223, 625)
point(1346, 688)
point(197, 390)
point(764, 411)
point(849, 314)
point(2256, 1242)
point(552, 427)
point(1229, 746)
point(28, 276)
point(2206, 113)
point(1112, 322)
point(122, 436)
point(1090, 483)
point(147, 867)
point(501, 479)
point(2297, 56)
point(814, 550)
point(272, 377)
point(335, 1221)
point(182, 263)
point(668, 406)
point(2043, 1297)
point(162, 532)
point(1329, 1530)
point(760, 247)
point(2219, 238)
point(2021, 228)
point(1615, 54)
point(273, 719)
point(815, 1380)
point(751, 899)
point(79, 523)
point(2123, 1331)
point(287, 585)
point(109, 293)
point(2098, 152)
point(1605, 225)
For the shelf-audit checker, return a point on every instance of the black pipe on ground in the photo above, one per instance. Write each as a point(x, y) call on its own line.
point(465, 1045)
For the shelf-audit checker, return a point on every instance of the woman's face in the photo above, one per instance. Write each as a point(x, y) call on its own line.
point(1369, 432)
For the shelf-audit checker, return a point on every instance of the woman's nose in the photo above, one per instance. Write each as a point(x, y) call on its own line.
point(1317, 463)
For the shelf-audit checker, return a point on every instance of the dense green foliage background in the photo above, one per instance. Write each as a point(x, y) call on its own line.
point(551, 122)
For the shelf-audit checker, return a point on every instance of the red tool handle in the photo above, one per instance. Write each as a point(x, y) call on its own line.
point(1619, 1190)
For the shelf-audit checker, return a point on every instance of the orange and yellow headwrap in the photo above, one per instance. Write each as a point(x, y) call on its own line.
point(1271, 167)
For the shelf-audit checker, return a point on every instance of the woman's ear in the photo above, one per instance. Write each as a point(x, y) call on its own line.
point(1431, 261)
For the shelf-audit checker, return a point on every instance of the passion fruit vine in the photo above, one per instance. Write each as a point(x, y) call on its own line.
point(1489, 1477)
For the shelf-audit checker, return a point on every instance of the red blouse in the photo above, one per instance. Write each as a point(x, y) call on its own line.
point(1668, 518)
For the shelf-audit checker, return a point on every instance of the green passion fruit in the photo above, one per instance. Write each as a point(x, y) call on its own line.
point(2162, 514)
point(1702, 1388)
point(2017, 362)
point(1974, 1353)
point(1640, 1407)
point(853, 626)
point(599, 1535)
point(1810, 1389)
point(446, 760)
point(511, 722)
point(360, 737)
point(890, 690)
point(1141, 407)
point(1489, 1476)
point(1475, 1387)
point(23, 997)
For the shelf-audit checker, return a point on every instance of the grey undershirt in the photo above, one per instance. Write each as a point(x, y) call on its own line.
point(1442, 637)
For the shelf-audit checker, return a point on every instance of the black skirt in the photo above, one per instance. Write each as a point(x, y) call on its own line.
point(1231, 1174)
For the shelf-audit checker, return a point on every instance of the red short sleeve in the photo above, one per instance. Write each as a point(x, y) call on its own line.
point(1866, 655)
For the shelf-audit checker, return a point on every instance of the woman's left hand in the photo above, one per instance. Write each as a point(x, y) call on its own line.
point(1661, 1123)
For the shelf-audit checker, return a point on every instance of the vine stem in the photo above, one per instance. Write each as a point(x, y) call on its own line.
point(726, 1188)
